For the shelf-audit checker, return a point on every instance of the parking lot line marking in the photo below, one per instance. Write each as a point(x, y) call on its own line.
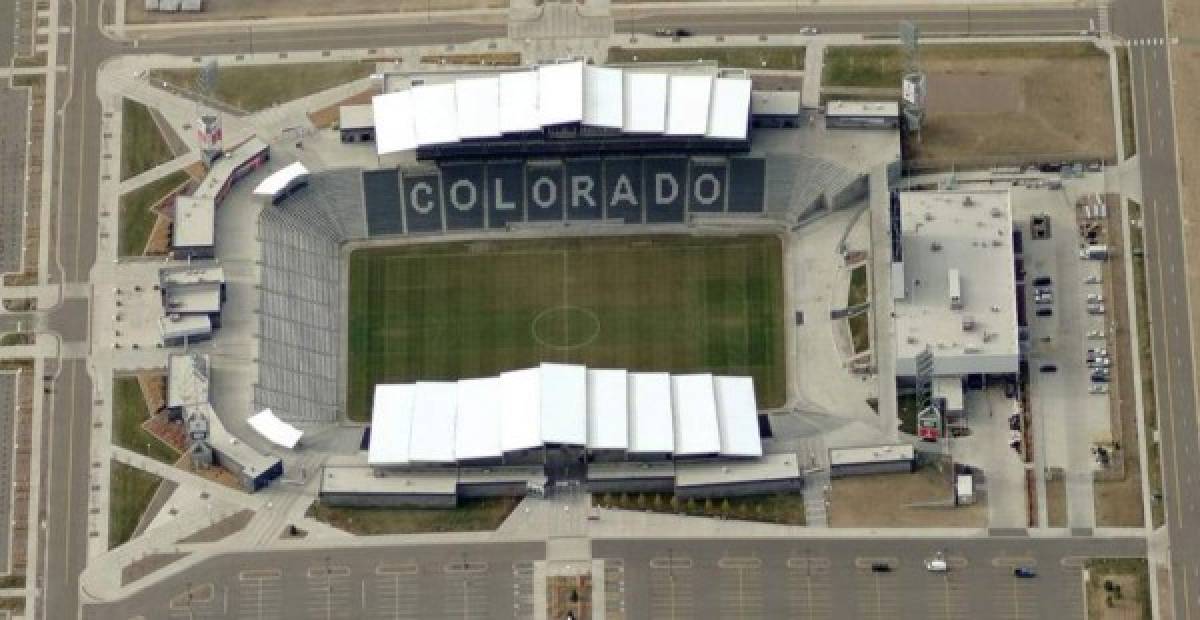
point(408, 568)
point(260, 574)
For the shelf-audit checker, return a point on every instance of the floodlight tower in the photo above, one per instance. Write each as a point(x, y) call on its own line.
point(913, 84)
point(208, 127)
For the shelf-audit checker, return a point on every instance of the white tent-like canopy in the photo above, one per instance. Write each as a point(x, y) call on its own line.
point(635, 101)
point(445, 422)
point(278, 432)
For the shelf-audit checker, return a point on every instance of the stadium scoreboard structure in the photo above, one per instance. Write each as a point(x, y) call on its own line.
point(474, 195)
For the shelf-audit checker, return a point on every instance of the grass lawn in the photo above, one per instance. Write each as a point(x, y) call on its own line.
point(1146, 359)
point(253, 88)
point(882, 66)
point(774, 57)
point(136, 218)
point(1131, 600)
point(1128, 135)
point(782, 508)
point(142, 144)
point(131, 491)
point(860, 331)
point(858, 287)
point(129, 412)
point(471, 515)
point(665, 303)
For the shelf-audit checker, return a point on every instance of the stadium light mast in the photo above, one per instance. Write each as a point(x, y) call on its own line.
point(209, 130)
point(913, 84)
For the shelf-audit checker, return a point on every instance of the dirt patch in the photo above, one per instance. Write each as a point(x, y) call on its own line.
point(220, 530)
point(919, 499)
point(148, 564)
point(962, 92)
point(239, 10)
point(1118, 589)
point(569, 595)
point(487, 59)
point(326, 117)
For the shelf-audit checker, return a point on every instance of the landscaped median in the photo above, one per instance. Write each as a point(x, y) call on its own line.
point(741, 57)
point(1146, 363)
point(470, 515)
point(1118, 588)
point(142, 144)
point(138, 215)
point(780, 508)
point(130, 492)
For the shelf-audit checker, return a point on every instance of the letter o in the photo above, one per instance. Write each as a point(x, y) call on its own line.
point(536, 191)
point(472, 195)
point(714, 187)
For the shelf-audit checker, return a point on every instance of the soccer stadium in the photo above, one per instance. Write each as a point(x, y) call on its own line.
point(566, 220)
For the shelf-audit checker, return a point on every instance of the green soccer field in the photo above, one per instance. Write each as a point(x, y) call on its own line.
point(663, 303)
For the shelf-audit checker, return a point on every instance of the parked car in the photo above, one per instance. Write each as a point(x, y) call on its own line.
point(1014, 422)
point(1045, 311)
point(1094, 298)
point(1095, 308)
point(1042, 281)
point(937, 563)
point(1095, 334)
point(1100, 351)
point(1093, 279)
point(672, 32)
point(1098, 388)
point(809, 30)
point(1048, 368)
point(881, 567)
point(1099, 378)
point(1024, 572)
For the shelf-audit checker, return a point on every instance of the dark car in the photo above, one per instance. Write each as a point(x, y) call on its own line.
point(881, 567)
point(1024, 572)
point(1014, 422)
point(1042, 281)
point(673, 32)
point(1045, 311)
point(1049, 368)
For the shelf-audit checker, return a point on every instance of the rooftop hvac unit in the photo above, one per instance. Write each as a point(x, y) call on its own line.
point(968, 324)
point(928, 216)
point(997, 212)
point(989, 336)
point(972, 349)
point(175, 317)
point(997, 243)
point(967, 202)
point(935, 247)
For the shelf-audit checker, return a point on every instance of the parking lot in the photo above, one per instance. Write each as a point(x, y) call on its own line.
point(14, 113)
point(834, 579)
point(467, 582)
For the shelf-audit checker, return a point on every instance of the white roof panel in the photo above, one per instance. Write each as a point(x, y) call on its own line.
point(433, 423)
point(602, 100)
point(645, 102)
point(281, 179)
point(519, 101)
point(394, 126)
point(737, 412)
point(729, 114)
point(688, 101)
point(278, 432)
point(560, 93)
point(477, 434)
point(520, 414)
point(195, 222)
point(650, 418)
point(694, 403)
point(391, 424)
point(564, 404)
point(478, 103)
point(435, 114)
point(608, 409)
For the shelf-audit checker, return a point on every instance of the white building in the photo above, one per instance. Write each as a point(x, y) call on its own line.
point(954, 287)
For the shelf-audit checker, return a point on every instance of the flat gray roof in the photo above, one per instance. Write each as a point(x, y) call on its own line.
point(957, 239)
point(365, 479)
point(775, 102)
point(181, 325)
point(250, 460)
point(188, 274)
point(194, 222)
point(187, 379)
point(630, 470)
point(768, 467)
point(202, 298)
point(356, 116)
point(871, 454)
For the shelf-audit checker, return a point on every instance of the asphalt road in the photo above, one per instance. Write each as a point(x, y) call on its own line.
point(931, 22)
point(1174, 374)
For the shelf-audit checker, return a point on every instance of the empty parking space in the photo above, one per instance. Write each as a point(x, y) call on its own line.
point(947, 596)
point(259, 594)
point(1014, 598)
point(396, 592)
point(809, 587)
point(466, 590)
point(672, 591)
point(327, 592)
point(197, 602)
point(614, 589)
point(740, 587)
point(523, 601)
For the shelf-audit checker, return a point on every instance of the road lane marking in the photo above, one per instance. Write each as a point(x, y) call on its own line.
point(1146, 103)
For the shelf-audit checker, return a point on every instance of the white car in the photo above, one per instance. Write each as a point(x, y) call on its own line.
point(1094, 298)
point(809, 30)
point(1092, 280)
point(1095, 334)
point(937, 564)
point(1098, 388)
